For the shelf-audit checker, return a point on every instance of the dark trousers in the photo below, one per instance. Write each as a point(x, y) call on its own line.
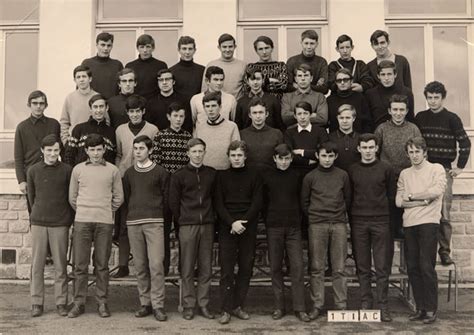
point(445, 229)
point(372, 235)
point(281, 240)
point(420, 246)
point(124, 244)
point(236, 249)
point(168, 219)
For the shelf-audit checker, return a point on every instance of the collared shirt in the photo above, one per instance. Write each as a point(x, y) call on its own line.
point(260, 94)
point(300, 92)
point(307, 128)
point(102, 162)
point(36, 119)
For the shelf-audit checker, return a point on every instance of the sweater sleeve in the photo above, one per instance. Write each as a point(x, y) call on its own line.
point(365, 79)
point(277, 117)
point(31, 187)
point(323, 74)
point(406, 74)
point(233, 108)
point(347, 192)
point(219, 201)
point(332, 69)
point(65, 122)
point(117, 190)
point(164, 186)
point(321, 118)
point(462, 139)
point(391, 181)
point(286, 112)
point(306, 193)
point(19, 156)
point(74, 189)
point(156, 153)
point(257, 199)
point(118, 156)
point(400, 189)
point(72, 145)
point(175, 196)
point(235, 133)
point(411, 110)
point(439, 181)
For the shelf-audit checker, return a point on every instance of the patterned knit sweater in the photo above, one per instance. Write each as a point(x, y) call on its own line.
point(276, 70)
point(170, 149)
point(442, 130)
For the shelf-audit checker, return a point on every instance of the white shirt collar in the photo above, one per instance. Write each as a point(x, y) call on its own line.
point(308, 128)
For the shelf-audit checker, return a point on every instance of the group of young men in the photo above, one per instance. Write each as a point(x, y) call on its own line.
point(220, 148)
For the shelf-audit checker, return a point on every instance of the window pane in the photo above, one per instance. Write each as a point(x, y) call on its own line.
point(256, 9)
point(402, 40)
point(124, 45)
point(19, 10)
point(133, 9)
point(294, 41)
point(426, 7)
point(251, 34)
point(166, 45)
point(451, 68)
point(20, 75)
point(6, 155)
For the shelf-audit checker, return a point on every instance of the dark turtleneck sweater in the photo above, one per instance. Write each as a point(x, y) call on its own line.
point(157, 109)
point(319, 69)
point(188, 78)
point(146, 71)
point(356, 99)
point(261, 144)
point(378, 99)
point(104, 74)
point(360, 73)
point(135, 128)
point(117, 110)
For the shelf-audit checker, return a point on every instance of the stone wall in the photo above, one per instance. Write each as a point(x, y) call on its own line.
point(15, 241)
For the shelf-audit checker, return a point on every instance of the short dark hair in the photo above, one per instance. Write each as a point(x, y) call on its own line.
point(304, 105)
point(104, 37)
point(211, 70)
point(195, 141)
point(186, 40)
point(236, 144)
point(264, 39)
point(435, 87)
point(96, 97)
point(125, 71)
point(304, 68)
point(37, 94)
point(366, 137)
point(311, 34)
point(399, 98)
point(343, 38)
point(174, 107)
point(329, 147)
point(282, 150)
point(224, 38)
point(163, 71)
point(50, 140)
point(93, 140)
point(386, 64)
point(135, 101)
point(347, 107)
point(250, 72)
point(145, 39)
point(344, 71)
point(417, 142)
point(212, 96)
point(82, 68)
point(257, 101)
point(145, 139)
point(376, 34)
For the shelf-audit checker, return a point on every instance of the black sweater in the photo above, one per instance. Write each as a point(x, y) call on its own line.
point(308, 141)
point(117, 110)
point(361, 74)
point(273, 108)
point(356, 99)
point(188, 78)
point(146, 71)
point(104, 74)
point(158, 105)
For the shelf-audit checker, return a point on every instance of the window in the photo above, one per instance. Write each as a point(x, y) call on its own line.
point(142, 10)
point(427, 8)
point(281, 9)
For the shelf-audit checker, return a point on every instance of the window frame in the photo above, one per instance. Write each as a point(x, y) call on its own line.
point(323, 17)
point(100, 19)
point(430, 16)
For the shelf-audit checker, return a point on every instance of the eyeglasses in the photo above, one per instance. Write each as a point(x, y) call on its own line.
point(161, 80)
point(343, 80)
point(125, 81)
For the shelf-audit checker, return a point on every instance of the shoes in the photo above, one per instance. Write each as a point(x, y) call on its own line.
point(62, 310)
point(122, 271)
point(75, 311)
point(240, 313)
point(277, 314)
point(160, 314)
point(36, 310)
point(103, 310)
point(303, 316)
point(313, 315)
point(430, 318)
point(144, 310)
point(446, 259)
point(385, 315)
point(188, 313)
point(224, 318)
point(366, 305)
point(205, 312)
point(418, 315)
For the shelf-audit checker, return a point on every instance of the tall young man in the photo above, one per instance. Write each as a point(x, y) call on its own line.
point(95, 193)
point(318, 65)
point(127, 81)
point(234, 68)
point(191, 191)
point(420, 193)
point(146, 67)
point(444, 132)
point(104, 69)
point(76, 106)
point(48, 184)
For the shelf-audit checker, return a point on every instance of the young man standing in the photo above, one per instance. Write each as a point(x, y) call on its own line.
point(76, 106)
point(145, 187)
point(234, 68)
point(127, 81)
point(75, 153)
point(326, 199)
point(254, 80)
point(420, 193)
point(95, 193)
point(380, 42)
point(158, 106)
point(187, 74)
point(374, 188)
point(214, 79)
point(28, 136)
point(191, 191)
point(146, 67)
point(217, 132)
point(317, 64)
point(104, 69)
point(304, 92)
point(48, 183)
point(444, 132)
